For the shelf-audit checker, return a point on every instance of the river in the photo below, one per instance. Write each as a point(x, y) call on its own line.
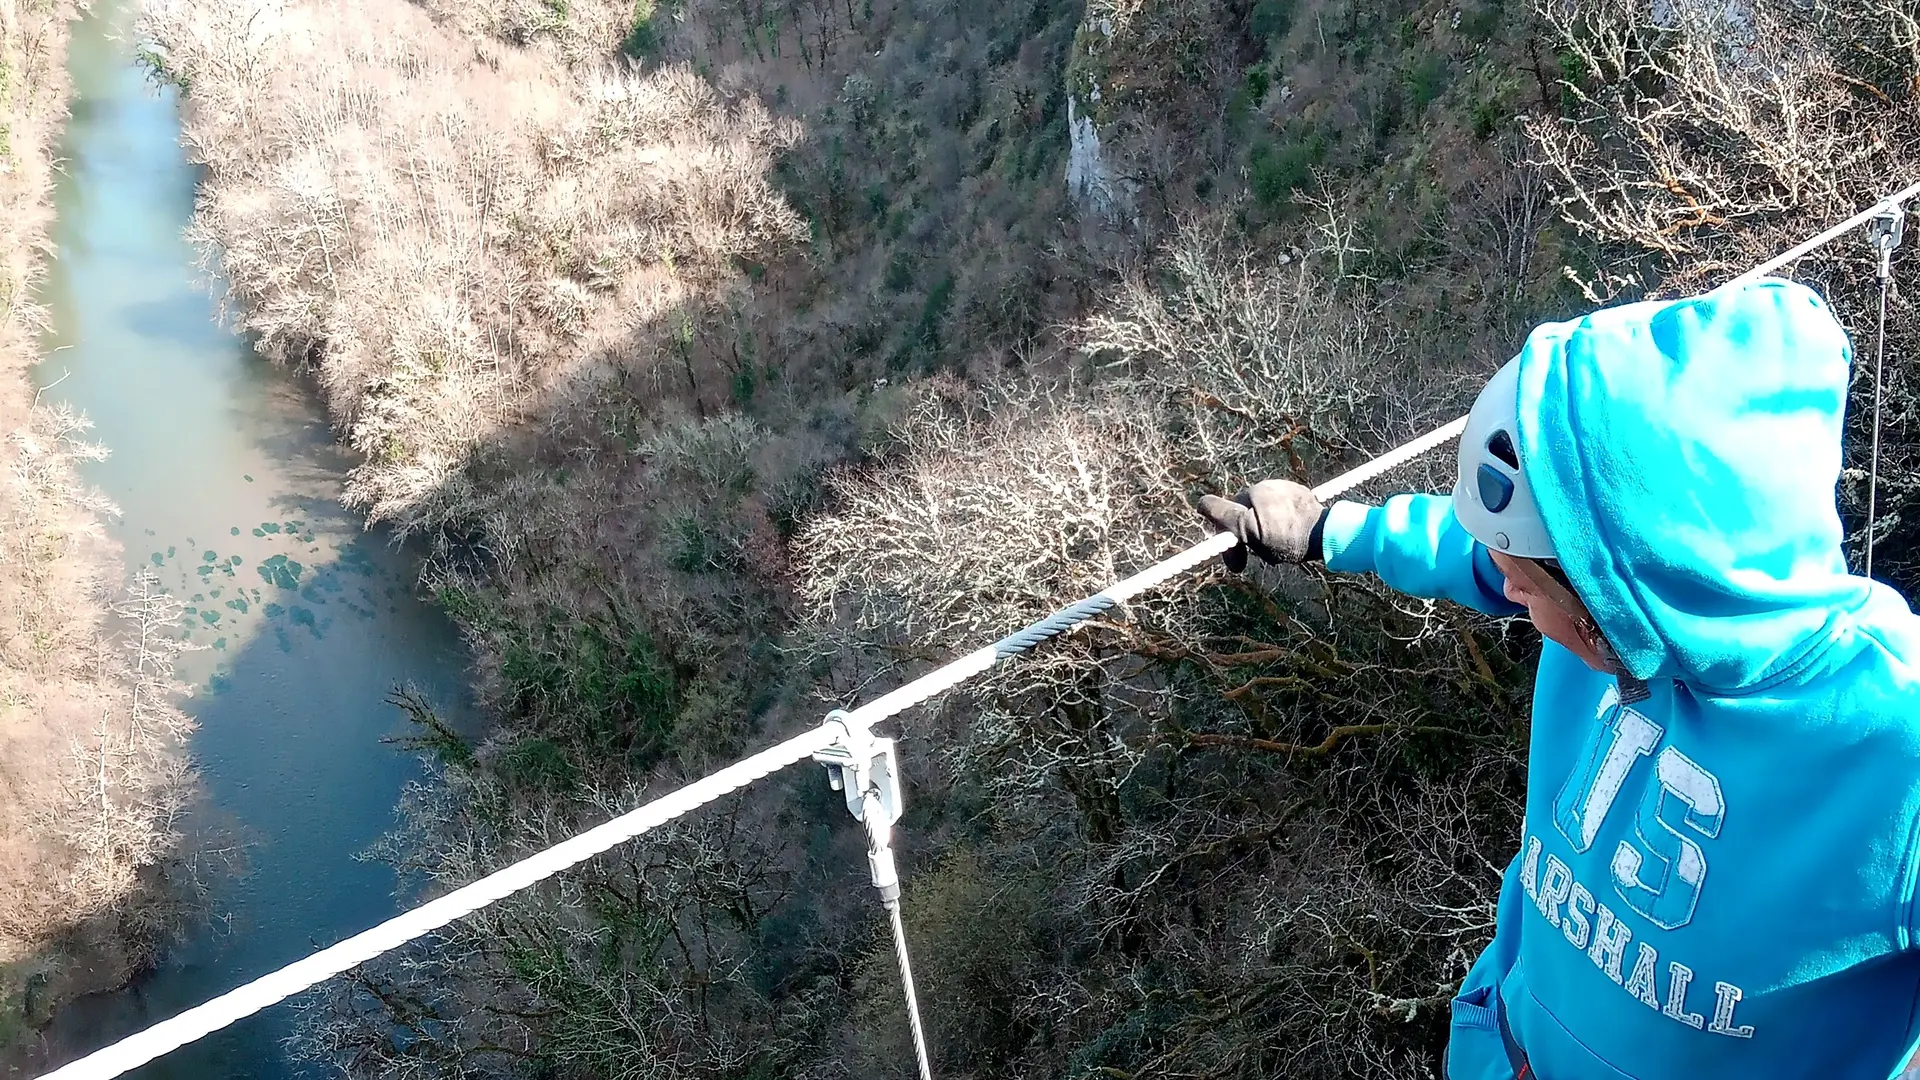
point(230, 486)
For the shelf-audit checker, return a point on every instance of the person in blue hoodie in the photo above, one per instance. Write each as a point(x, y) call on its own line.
point(1717, 872)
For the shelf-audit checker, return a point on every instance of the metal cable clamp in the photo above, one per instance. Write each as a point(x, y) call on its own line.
point(867, 772)
point(1885, 231)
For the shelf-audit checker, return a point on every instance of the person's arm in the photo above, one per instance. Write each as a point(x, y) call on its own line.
point(1414, 544)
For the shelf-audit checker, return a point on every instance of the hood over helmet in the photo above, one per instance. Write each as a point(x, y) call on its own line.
point(1684, 456)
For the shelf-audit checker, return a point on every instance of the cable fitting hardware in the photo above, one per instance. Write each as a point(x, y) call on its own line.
point(866, 771)
point(1885, 231)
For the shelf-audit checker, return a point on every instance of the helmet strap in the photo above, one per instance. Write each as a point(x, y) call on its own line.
point(1631, 689)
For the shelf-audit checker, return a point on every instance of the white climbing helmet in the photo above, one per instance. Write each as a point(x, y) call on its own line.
point(1492, 499)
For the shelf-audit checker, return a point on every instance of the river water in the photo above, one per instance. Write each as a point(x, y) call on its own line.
point(230, 483)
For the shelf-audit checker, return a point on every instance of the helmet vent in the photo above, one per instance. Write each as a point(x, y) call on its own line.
point(1501, 446)
point(1496, 491)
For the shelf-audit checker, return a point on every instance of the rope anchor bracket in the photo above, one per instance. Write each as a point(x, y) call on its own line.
point(1885, 231)
point(867, 772)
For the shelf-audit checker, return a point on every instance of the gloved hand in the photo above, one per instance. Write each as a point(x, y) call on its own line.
point(1277, 520)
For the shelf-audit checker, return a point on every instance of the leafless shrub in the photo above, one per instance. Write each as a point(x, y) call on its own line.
point(1703, 137)
point(1505, 236)
point(1692, 120)
point(96, 786)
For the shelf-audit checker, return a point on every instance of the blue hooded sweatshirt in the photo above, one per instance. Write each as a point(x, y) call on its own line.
point(1717, 881)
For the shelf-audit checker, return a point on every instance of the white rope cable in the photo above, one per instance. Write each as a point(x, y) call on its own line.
point(277, 986)
point(1879, 383)
point(1898, 198)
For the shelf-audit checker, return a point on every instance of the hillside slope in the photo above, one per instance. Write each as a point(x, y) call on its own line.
point(742, 357)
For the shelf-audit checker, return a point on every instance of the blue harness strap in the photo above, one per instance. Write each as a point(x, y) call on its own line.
point(1516, 1057)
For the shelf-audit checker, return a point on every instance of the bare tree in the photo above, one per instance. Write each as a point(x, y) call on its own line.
point(1217, 776)
point(131, 773)
point(456, 238)
point(1693, 120)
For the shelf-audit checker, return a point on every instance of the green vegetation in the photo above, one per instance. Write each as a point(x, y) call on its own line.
point(602, 694)
point(155, 63)
point(1271, 19)
point(1279, 170)
point(646, 31)
point(435, 737)
point(537, 764)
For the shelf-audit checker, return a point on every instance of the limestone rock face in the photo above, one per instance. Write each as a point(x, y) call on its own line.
point(1729, 23)
point(1090, 179)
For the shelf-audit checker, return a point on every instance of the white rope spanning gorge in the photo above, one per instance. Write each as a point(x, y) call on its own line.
point(243, 1001)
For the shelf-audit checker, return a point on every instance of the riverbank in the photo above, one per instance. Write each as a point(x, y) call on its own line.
point(302, 622)
point(93, 774)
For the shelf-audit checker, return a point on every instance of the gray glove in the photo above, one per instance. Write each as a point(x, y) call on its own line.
point(1277, 520)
